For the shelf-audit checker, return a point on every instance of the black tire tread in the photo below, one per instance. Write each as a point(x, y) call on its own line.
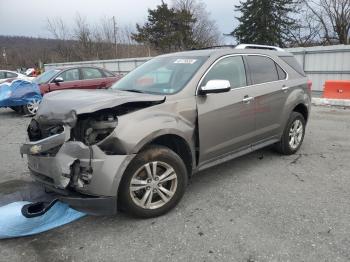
point(283, 147)
point(152, 153)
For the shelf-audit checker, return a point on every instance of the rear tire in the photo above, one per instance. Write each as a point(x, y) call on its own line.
point(153, 183)
point(293, 135)
point(32, 107)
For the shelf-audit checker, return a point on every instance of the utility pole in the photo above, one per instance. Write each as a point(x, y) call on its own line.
point(115, 37)
point(4, 55)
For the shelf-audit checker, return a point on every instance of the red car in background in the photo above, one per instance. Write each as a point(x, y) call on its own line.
point(88, 77)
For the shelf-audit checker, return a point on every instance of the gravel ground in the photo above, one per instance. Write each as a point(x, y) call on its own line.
point(260, 207)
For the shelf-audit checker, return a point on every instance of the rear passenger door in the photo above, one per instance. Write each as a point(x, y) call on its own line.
point(267, 80)
point(93, 78)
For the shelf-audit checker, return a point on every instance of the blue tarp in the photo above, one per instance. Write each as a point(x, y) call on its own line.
point(18, 217)
point(14, 224)
point(18, 93)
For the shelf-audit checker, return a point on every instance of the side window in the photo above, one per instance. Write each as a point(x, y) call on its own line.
point(70, 75)
point(10, 75)
point(262, 69)
point(281, 74)
point(2, 75)
point(91, 73)
point(231, 69)
point(293, 63)
point(108, 74)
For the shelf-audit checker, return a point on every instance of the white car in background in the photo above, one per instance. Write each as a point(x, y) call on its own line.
point(9, 76)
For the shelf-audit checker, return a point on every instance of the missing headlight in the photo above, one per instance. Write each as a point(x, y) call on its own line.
point(93, 129)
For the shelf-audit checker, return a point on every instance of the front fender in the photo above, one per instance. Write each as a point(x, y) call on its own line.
point(138, 128)
point(137, 134)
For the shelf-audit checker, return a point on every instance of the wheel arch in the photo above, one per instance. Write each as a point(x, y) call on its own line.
point(302, 109)
point(176, 143)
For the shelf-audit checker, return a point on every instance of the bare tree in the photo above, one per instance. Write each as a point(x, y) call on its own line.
point(85, 41)
point(205, 30)
point(83, 35)
point(60, 32)
point(103, 37)
point(306, 31)
point(334, 19)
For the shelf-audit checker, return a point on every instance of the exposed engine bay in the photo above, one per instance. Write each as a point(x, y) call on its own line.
point(89, 128)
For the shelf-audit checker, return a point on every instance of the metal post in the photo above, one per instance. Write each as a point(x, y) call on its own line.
point(115, 37)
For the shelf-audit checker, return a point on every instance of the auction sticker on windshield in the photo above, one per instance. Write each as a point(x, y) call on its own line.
point(185, 61)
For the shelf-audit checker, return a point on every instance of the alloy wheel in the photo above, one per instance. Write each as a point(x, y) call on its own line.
point(296, 133)
point(153, 185)
point(33, 106)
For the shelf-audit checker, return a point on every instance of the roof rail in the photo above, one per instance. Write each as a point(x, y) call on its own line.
point(267, 47)
point(215, 47)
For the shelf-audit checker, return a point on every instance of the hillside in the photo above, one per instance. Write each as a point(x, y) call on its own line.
point(28, 51)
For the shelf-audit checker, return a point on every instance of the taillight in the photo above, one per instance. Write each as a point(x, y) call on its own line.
point(309, 85)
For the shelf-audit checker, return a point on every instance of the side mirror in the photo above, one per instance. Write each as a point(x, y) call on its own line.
point(58, 79)
point(216, 86)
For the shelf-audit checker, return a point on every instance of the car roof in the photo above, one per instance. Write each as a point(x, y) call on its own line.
point(9, 71)
point(228, 51)
point(79, 66)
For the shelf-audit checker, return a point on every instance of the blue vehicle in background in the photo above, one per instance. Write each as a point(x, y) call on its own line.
point(22, 96)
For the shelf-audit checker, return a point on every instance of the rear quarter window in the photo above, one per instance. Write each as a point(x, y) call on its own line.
point(293, 63)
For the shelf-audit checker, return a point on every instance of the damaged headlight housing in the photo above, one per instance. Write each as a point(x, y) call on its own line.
point(93, 129)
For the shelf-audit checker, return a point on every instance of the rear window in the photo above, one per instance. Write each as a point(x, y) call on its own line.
point(262, 69)
point(293, 63)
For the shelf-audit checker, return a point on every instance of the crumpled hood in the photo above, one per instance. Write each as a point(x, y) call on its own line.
point(64, 106)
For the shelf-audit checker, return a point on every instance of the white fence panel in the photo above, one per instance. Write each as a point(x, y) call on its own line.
point(320, 63)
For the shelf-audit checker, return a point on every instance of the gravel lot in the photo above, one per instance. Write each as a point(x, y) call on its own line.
point(260, 207)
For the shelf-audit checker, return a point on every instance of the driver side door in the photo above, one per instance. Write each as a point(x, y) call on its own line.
point(226, 120)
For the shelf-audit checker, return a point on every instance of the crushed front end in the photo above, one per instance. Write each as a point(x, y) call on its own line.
point(68, 156)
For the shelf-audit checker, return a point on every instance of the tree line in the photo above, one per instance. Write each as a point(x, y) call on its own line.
point(187, 24)
point(290, 23)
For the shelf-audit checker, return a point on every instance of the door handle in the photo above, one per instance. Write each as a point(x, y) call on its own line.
point(247, 99)
point(285, 88)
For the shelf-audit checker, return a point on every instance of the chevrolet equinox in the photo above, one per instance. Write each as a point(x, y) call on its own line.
point(135, 146)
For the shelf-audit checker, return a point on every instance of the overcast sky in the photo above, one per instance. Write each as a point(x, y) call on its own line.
point(27, 17)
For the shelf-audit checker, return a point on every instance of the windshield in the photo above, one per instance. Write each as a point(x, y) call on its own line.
point(162, 75)
point(45, 77)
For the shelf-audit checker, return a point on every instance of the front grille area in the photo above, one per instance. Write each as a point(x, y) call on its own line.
point(37, 132)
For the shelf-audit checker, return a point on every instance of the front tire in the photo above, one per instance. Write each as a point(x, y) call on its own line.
point(293, 135)
point(153, 184)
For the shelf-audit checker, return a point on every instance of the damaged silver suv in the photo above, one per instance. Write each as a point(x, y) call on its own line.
point(134, 147)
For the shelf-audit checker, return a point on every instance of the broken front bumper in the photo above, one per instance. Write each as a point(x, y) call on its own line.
point(84, 177)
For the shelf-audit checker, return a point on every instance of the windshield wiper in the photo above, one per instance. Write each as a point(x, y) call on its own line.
point(132, 90)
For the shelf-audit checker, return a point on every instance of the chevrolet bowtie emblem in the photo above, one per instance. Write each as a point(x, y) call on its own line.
point(35, 149)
